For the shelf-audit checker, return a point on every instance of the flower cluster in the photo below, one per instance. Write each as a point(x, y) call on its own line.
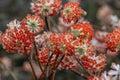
point(61, 44)
point(46, 7)
point(83, 30)
point(113, 40)
point(93, 63)
point(72, 12)
point(68, 63)
point(74, 48)
point(34, 23)
point(17, 39)
point(19, 36)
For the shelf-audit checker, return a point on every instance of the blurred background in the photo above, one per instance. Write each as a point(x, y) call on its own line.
point(16, 66)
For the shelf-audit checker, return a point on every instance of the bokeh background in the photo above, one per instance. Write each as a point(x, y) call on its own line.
point(16, 65)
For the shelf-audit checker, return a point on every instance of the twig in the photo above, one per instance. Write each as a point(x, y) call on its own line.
point(36, 52)
point(59, 62)
point(56, 58)
point(81, 66)
point(55, 68)
point(81, 75)
point(54, 24)
point(52, 76)
point(47, 24)
point(46, 65)
point(30, 62)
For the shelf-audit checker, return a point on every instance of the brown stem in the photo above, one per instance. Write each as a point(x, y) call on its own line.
point(54, 24)
point(59, 62)
point(81, 75)
point(56, 58)
point(46, 66)
point(33, 71)
point(36, 52)
point(105, 51)
point(47, 24)
point(81, 66)
point(52, 76)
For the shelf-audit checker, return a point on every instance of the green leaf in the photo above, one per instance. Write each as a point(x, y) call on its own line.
point(75, 33)
point(80, 50)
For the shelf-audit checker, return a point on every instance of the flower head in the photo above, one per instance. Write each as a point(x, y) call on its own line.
point(42, 39)
point(93, 63)
point(72, 12)
point(18, 41)
point(82, 30)
point(61, 43)
point(113, 40)
point(82, 48)
point(68, 63)
point(44, 56)
point(34, 23)
point(46, 7)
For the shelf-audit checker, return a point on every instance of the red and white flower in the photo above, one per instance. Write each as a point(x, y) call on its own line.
point(46, 7)
point(34, 23)
point(113, 41)
point(61, 44)
point(19, 40)
point(83, 30)
point(72, 12)
point(93, 63)
point(68, 63)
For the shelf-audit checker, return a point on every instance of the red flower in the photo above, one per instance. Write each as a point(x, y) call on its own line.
point(34, 23)
point(82, 48)
point(93, 63)
point(19, 40)
point(68, 63)
point(46, 7)
point(113, 40)
point(44, 55)
point(72, 12)
point(83, 30)
point(61, 43)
